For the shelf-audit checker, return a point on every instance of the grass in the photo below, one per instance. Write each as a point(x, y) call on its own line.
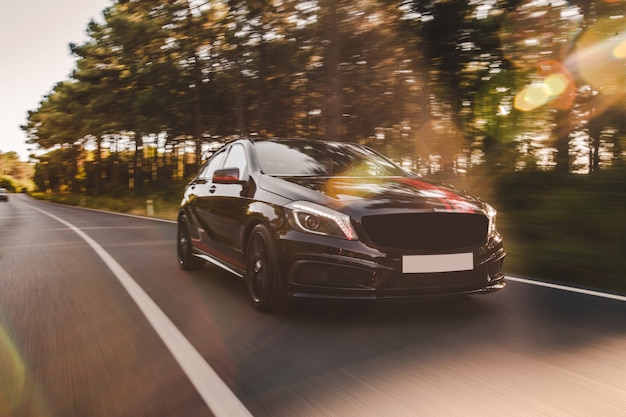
point(567, 229)
point(162, 207)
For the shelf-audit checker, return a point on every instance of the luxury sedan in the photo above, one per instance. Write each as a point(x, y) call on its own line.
point(317, 219)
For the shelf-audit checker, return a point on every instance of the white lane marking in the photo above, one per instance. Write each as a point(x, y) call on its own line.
point(221, 401)
point(566, 288)
point(136, 216)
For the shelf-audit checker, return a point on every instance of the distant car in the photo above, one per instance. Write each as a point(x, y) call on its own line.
point(302, 218)
point(4, 194)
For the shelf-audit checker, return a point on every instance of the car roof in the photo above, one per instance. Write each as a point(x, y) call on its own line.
point(296, 139)
point(318, 142)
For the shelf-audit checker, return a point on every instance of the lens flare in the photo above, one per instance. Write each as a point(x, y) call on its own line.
point(557, 84)
point(532, 97)
point(553, 84)
point(619, 51)
point(13, 374)
point(601, 56)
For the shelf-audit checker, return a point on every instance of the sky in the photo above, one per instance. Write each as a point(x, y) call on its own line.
point(35, 55)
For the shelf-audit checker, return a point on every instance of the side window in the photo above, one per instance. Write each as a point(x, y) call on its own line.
point(237, 159)
point(214, 163)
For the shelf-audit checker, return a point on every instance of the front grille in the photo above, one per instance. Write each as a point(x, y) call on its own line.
point(426, 231)
point(462, 281)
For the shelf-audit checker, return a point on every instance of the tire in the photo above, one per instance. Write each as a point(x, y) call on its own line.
point(186, 260)
point(262, 276)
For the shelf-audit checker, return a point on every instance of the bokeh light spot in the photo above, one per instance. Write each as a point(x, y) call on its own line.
point(560, 81)
point(532, 97)
point(557, 84)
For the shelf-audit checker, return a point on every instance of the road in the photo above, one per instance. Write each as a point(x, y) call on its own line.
point(96, 319)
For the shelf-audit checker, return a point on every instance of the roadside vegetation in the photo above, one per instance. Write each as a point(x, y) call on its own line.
point(162, 202)
point(561, 228)
point(15, 175)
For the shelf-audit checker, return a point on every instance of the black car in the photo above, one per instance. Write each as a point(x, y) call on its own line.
point(4, 194)
point(303, 218)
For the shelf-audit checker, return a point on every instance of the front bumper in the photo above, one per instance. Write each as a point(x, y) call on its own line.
point(332, 268)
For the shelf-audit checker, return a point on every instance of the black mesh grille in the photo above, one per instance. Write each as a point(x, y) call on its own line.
point(427, 231)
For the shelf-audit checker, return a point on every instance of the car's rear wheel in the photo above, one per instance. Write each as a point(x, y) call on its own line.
point(262, 277)
point(186, 260)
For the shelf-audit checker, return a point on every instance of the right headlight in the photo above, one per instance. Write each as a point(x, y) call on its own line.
point(320, 220)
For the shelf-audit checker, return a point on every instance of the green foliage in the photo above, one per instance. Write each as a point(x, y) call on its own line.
point(165, 200)
point(431, 79)
point(6, 182)
point(16, 185)
point(565, 228)
point(15, 175)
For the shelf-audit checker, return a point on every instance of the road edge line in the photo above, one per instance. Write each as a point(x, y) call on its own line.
point(217, 396)
point(565, 288)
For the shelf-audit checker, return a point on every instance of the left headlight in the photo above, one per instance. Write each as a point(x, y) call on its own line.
point(491, 215)
point(314, 218)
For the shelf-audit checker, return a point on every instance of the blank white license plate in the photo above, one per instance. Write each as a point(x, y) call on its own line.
point(416, 264)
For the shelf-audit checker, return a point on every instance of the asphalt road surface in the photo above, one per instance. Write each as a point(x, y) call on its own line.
point(96, 319)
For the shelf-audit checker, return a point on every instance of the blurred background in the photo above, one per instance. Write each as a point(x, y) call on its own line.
point(520, 102)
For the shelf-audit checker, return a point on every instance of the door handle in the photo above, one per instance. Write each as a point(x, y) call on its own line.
point(212, 189)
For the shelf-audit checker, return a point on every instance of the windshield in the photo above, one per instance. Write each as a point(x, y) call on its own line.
point(323, 159)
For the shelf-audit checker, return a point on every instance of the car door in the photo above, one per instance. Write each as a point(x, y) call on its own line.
point(227, 207)
point(199, 193)
point(221, 209)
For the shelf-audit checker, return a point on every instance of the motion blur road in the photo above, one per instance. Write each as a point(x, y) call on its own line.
point(75, 342)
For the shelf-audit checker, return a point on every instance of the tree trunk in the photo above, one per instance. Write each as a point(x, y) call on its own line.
point(333, 88)
point(562, 132)
point(98, 166)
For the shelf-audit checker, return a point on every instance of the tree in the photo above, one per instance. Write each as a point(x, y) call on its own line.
point(510, 84)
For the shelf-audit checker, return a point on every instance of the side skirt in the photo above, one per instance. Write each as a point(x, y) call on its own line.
point(218, 263)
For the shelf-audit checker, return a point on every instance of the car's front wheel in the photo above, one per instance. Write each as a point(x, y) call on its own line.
point(262, 277)
point(186, 260)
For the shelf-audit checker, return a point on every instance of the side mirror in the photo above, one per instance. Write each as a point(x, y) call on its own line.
point(227, 176)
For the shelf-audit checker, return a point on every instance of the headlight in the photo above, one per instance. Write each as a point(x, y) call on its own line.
point(313, 218)
point(491, 215)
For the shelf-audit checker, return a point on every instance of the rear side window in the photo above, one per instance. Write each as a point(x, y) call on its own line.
point(237, 159)
point(213, 164)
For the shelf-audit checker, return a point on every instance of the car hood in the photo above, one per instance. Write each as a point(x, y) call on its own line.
point(356, 195)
